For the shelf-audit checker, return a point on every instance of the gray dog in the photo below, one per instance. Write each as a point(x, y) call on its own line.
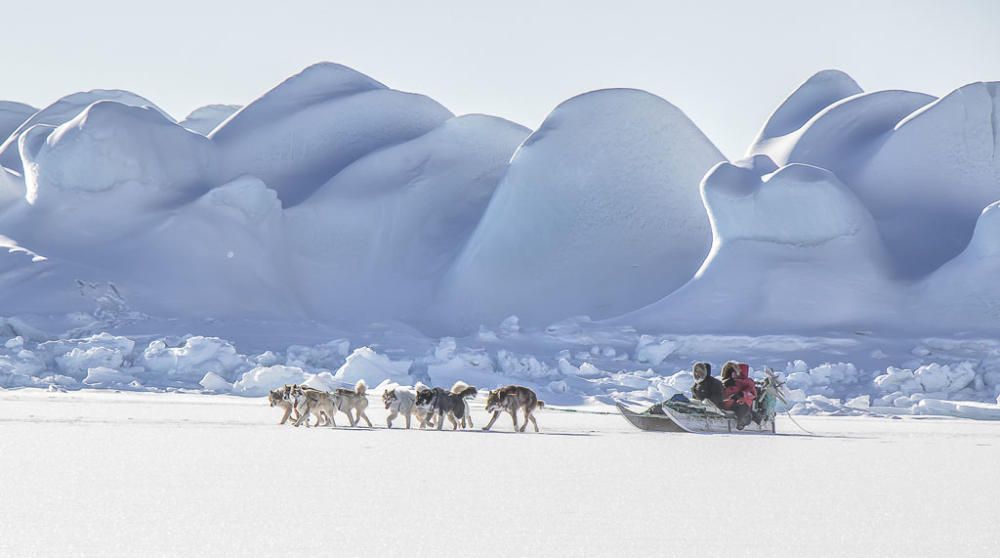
point(513, 399)
point(444, 403)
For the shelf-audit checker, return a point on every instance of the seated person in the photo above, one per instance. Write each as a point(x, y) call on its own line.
point(739, 391)
point(706, 386)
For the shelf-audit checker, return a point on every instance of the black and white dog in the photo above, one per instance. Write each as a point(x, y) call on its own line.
point(443, 403)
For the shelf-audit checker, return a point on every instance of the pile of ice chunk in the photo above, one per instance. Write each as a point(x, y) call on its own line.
point(75, 357)
point(826, 379)
point(191, 360)
point(902, 387)
point(372, 367)
point(652, 350)
point(949, 378)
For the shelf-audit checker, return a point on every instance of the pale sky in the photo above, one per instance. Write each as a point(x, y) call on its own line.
point(727, 64)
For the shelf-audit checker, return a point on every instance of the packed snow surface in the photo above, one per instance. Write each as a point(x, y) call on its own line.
point(100, 473)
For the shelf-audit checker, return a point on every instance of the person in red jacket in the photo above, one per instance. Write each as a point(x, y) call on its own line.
point(738, 392)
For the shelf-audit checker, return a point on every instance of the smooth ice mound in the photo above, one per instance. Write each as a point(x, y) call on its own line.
point(12, 115)
point(924, 167)
point(207, 118)
point(314, 124)
point(111, 145)
point(792, 248)
point(598, 211)
point(62, 111)
point(377, 238)
point(335, 200)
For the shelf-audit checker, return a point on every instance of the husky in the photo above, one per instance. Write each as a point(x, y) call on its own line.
point(512, 399)
point(463, 389)
point(403, 400)
point(423, 411)
point(346, 400)
point(313, 402)
point(443, 404)
point(280, 397)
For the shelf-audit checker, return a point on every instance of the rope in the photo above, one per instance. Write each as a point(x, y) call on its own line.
point(582, 412)
point(797, 424)
point(616, 413)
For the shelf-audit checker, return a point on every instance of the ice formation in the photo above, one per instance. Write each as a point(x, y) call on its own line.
point(12, 115)
point(207, 118)
point(300, 134)
point(62, 111)
point(597, 212)
point(924, 167)
point(335, 207)
point(793, 248)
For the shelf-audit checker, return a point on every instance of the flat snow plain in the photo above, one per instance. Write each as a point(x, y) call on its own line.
point(103, 473)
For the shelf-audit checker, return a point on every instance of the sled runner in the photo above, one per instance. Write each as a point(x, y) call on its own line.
point(694, 418)
point(649, 421)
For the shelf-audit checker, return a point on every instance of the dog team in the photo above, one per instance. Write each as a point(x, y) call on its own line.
point(430, 406)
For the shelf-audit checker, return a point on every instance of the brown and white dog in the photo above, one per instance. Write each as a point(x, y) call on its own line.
point(281, 398)
point(312, 402)
point(513, 399)
point(346, 400)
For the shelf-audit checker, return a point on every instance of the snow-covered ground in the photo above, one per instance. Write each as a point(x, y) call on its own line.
point(106, 473)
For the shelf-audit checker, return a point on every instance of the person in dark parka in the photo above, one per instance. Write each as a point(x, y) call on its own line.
point(706, 386)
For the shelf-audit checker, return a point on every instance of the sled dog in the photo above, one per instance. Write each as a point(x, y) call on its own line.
point(513, 399)
point(312, 402)
point(463, 389)
point(402, 400)
point(441, 404)
point(347, 400)
point(426, 417)
point(281, 398)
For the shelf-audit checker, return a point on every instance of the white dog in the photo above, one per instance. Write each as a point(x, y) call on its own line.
point(402, 400)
